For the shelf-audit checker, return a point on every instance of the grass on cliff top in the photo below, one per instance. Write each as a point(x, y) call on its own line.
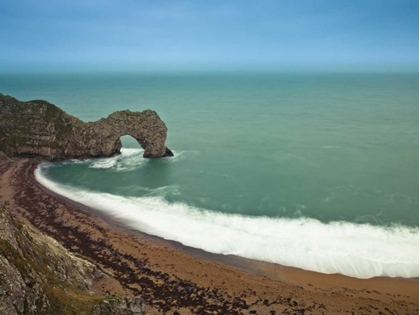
point(58, 117)
point(23, 130)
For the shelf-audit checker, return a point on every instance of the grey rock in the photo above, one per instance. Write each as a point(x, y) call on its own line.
point(120, 306)
point(21, 288)
point(40, 129)
point(28, 260)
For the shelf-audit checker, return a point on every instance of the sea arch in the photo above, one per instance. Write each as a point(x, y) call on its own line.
point(145, 127)
point(41, 129)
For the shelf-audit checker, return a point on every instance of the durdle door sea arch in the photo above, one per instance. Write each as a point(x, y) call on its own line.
point(40, 129)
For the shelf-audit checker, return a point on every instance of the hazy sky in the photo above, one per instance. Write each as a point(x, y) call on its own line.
point(192, 35)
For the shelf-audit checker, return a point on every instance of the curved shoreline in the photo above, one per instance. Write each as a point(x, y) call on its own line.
point(352, 249)
point(156, 268)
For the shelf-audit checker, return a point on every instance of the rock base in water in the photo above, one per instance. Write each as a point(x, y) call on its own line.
point(41, 129)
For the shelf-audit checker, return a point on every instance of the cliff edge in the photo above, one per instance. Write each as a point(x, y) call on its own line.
point(39, 276)
point(40, 129)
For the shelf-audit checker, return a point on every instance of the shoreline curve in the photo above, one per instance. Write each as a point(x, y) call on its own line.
point(260, 286)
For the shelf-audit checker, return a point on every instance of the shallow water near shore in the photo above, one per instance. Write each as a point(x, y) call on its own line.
point(318, 172)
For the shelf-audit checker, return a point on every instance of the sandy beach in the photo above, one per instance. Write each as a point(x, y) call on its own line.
point(173, 278)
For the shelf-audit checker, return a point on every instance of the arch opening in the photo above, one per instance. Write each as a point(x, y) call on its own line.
point(129, 142)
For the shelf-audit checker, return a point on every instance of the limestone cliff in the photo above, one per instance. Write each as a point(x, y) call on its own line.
point(40, 129)
point(39, 276)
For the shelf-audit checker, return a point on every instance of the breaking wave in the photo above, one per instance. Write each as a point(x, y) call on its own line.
point(131, 159)
point(128, 160)
point(356, 250)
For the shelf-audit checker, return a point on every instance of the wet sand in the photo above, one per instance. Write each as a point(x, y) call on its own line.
point(174, 278)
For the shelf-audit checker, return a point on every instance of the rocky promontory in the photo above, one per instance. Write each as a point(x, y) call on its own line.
point(40, 129)
point(39, 276)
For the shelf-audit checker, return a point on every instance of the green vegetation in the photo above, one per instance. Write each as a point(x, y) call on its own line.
point(69, 301)
point(20, 130)
point(51, 112)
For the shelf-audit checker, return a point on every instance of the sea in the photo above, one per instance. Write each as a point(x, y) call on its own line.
point(318, 171)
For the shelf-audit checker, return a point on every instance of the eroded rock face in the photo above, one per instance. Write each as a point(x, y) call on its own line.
point(29, 262)
point(40, 129)
point(39, 276)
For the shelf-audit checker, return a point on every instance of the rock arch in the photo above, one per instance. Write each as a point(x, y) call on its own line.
point(39, 128)
point(145, 127)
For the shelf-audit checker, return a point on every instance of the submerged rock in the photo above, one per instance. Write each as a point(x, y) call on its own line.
point(41, 129)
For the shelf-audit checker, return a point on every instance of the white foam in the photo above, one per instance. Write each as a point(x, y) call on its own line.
point(128, 160)
point(131, 159)
point(131, 151)
point(356, 250)
point(103, 163)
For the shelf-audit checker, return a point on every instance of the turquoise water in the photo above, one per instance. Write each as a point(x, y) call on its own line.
point(313, 171)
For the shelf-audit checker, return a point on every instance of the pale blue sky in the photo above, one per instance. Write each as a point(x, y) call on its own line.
point(45, 35)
